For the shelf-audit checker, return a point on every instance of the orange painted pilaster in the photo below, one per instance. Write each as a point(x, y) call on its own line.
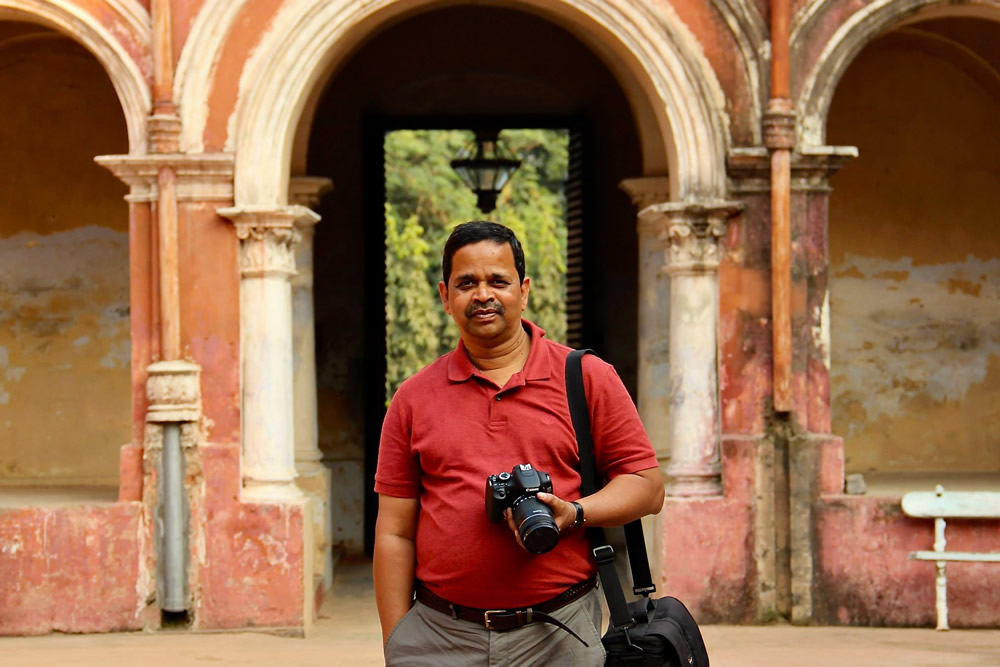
point(779, 137)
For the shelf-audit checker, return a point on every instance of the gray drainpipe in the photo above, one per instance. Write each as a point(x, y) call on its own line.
point(174, 391)
point(175, 525)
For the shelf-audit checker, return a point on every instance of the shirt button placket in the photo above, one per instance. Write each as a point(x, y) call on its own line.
point(496, 410)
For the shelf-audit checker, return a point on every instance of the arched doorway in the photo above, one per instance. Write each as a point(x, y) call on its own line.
point(454, 83)
point(915, 258)
point(667, 85)
point(64, 241)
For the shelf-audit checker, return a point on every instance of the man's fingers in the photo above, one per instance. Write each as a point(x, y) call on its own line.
point(513, 528)
point(563, 512)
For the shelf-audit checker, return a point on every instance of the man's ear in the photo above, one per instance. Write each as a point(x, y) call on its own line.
point(525, 288)
point(443, 293)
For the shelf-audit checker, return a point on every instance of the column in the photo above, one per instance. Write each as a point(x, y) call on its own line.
point(654, 314)
point(267, 264)
point(305, 191)
point(313, 476)
point(692, 233)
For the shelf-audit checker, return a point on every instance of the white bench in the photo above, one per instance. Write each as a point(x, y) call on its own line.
point(940, 505)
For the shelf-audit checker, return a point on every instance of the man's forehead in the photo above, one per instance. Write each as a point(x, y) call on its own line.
point(484, 255)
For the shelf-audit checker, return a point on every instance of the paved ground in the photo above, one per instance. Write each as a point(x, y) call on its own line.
point(347, 633)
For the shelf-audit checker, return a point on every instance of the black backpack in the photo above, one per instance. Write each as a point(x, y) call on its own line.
point(648, 631)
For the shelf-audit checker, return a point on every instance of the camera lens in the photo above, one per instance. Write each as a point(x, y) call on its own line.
point(535, 525)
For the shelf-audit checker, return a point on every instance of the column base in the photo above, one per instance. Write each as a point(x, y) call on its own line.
point(258, 491)
point(314, 481)
point(690, 485)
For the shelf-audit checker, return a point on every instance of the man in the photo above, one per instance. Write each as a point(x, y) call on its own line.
point(497, 401)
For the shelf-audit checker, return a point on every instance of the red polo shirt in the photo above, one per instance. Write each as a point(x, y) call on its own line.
point(448, 428)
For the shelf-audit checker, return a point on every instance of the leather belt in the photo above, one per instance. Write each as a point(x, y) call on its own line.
point(501, 620)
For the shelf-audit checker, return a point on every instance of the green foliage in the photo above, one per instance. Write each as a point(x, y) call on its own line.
point(425, 199)
point(412, 315)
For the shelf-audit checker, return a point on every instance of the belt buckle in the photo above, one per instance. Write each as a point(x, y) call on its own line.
point(486, 616)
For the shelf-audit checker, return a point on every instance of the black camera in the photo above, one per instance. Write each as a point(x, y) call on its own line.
point(517, 490)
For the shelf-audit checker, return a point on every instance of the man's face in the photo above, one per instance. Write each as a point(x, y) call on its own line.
point(483, 295)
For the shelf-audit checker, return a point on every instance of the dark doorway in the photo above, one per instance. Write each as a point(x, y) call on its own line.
point(574, 186)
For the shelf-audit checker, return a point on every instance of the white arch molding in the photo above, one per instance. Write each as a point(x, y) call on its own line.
point(126, 76)
point(196, 68)
point(853, 35)
point(292, 58)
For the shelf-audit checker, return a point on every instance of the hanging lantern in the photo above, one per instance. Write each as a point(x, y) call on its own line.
point(485, 166)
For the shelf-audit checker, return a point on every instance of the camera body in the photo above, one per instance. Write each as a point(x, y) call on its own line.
point(517, 491)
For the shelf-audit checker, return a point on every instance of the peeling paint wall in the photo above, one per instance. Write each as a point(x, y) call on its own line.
point(64, 294)
point(915, 252)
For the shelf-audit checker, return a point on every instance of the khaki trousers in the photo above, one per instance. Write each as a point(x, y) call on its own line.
point(428, 637)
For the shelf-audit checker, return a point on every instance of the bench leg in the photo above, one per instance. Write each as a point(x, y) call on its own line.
point(942, 595)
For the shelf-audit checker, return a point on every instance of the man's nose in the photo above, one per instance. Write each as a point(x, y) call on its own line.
point(482, 292)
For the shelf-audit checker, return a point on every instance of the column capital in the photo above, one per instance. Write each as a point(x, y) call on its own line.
point(647, 190)
point(814, 165)
point(268, 237)
point(693, 230)
point(308, 190)
point(165, 132)
point(200, 176)
point(174, 392)
point(749, 168)
point(779, 124)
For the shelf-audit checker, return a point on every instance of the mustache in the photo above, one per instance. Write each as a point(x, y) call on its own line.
point(489, 306)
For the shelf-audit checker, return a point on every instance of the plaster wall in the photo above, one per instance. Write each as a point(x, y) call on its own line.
point(864, 575)
point(915, 252)
point(64, 265)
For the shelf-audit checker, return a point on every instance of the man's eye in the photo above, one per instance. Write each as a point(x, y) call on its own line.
point(501, 283)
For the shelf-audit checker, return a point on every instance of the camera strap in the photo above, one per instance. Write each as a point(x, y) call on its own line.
point(642, 583)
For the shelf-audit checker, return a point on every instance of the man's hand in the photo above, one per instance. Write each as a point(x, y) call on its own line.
point(563, 512)
point(625, 498)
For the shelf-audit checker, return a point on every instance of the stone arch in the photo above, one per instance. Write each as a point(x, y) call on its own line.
point(308, 35)
point(196, 67)
point(127, 78)
point(852, 36)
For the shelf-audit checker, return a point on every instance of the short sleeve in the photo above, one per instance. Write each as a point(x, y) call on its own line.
point(398, 471)
point(621, 445)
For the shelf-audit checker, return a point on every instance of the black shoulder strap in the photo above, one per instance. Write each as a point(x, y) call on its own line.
point(634, 539)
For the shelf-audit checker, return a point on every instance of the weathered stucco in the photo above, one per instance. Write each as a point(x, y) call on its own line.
point(64, 267)
point(914, 253)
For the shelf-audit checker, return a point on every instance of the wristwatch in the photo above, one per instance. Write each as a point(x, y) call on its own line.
point(580, 519)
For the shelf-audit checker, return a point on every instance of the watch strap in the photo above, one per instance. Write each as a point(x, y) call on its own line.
point(580, 519)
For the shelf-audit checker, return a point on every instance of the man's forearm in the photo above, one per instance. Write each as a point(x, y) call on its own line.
point(394, 565)
point(625, 498)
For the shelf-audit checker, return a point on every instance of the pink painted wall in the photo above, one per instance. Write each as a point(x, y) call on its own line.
point(252, 574)
point(707, 552)
point(71, 569)
point(864, 576)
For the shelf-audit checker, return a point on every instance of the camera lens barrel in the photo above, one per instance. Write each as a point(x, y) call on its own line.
point(535, 525)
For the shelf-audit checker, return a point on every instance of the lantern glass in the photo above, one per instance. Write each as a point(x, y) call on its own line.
point(485, 166)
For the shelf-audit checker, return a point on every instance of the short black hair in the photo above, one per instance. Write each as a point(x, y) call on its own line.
point(475, 231)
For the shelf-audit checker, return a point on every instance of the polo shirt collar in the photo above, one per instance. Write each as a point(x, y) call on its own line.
point(537, 367)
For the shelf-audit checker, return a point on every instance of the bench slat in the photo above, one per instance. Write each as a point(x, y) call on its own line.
point(956, 556)
point(952, 504)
